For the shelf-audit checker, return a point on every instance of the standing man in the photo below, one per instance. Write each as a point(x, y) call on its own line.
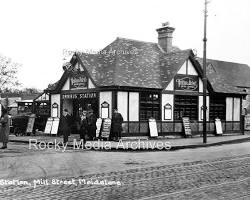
point(5, 128)
point(116, 124)
point(83, 126)
point(91, 119)
point(65, 125)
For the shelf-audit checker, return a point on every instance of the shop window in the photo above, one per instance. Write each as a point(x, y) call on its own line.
point(167, 112)
point(149, 105)
point(217, 108)
point(55, 110)
point(105, 110)
point(186, 106)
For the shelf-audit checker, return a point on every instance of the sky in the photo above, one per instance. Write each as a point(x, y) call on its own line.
point(37, 33)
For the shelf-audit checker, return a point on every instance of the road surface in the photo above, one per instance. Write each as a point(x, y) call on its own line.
point(221, 172)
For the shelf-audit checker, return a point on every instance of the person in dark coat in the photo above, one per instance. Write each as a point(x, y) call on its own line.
point(5, 128)
point(91, 120)
point(65, 125)
point(83, 126)
point(116, 124)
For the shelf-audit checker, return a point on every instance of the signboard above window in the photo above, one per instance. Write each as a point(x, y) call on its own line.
point(78, 81)
point(186, 83)
point(87, 95)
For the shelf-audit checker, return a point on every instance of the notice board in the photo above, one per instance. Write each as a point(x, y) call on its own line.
point(218, 126)
point(247, 122)
point(55, 125)
point(152, 127)
point(48, 125)
point(187, 127)
point(31, 123)
point(106, 126)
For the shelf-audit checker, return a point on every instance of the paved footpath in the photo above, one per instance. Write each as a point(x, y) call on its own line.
point(138, 143)
point(221, 178)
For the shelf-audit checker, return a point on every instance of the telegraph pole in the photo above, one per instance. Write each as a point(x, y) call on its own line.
point(204, 78)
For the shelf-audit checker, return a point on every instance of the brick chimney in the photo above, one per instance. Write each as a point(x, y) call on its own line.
point(165, 35)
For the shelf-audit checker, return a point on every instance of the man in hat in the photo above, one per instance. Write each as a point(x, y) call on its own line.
point(65, 125)
point(91, 121)
point(83, 126)
point(116, 124)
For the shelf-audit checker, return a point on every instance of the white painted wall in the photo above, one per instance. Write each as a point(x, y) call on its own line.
point(170, 85)
point(55, 98)
point(236, 113)
point(90, 84)
point(133, 106)
point(66, 85)
point(200, 114)
point(106, 96)
point(122, 104)
point(167, 98)
point(183, 69)
point(191, 70)
point(200, 85)
point(229, 109)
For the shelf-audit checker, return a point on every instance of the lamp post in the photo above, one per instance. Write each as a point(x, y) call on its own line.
point(204, 78)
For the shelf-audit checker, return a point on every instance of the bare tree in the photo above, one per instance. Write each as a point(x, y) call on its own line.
point(8, 72)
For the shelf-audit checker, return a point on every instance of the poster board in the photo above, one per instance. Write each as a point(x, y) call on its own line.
point(218, 126)
point(55, 125)
point(247, 122)
point(187, 127)
point(98, 126)
point(48, 126)
point(106, 128)
point(152, 127)
point(31, 123)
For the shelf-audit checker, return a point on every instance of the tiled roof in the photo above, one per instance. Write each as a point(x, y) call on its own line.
point(134, 63)
point(225, 77)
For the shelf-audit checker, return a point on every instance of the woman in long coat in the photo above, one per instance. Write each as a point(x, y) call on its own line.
point(5, 128)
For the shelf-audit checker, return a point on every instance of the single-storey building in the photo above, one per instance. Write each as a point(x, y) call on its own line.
point(144, 80)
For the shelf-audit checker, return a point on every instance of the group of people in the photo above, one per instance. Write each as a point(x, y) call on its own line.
point(87, 125)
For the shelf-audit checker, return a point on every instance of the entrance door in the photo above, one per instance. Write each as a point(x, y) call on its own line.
point(78, 106)
point(85, 104)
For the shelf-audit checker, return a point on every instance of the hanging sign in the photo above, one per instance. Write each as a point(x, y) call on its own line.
point(186, 82)
point(152, 127)
point(187, 127)
point(78, 81)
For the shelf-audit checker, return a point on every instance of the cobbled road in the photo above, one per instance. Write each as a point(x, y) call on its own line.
point(224, 178)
